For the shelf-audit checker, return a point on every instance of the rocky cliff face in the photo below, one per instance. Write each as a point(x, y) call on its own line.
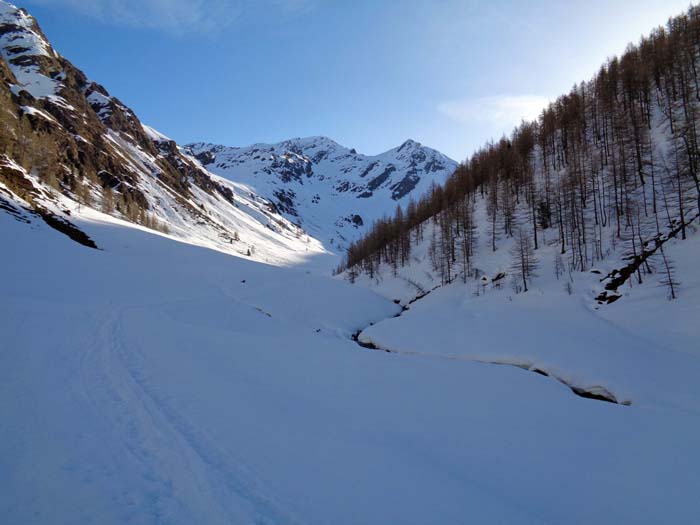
point(331, 190)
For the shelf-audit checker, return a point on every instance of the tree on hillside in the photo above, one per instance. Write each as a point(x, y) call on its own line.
point(524, 260)
point(82, 193)
point(107, 200)
point(669, 277)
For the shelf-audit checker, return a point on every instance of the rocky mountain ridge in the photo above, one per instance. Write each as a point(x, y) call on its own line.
point(332, 191)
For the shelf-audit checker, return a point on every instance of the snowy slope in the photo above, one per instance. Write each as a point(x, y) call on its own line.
point(333, 192)
point(125, 399)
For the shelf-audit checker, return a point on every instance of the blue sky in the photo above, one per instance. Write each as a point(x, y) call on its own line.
point(368, 73)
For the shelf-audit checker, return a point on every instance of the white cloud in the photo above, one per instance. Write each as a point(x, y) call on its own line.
point(176, 16)
point(503, 111)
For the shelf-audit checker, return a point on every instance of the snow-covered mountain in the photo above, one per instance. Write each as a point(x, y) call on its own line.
point(331, 191)
point(67, 145)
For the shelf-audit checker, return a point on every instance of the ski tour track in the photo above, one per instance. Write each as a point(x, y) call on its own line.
point(160, 440)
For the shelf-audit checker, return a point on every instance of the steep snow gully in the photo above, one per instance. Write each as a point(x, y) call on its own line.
point(598, 393)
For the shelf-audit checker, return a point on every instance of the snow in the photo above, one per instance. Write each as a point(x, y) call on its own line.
point(154, 381)
point(34, 111)
point(564, 336)
point(155, 135)
point(101, 104)
point(25, 42)
point(9, 163)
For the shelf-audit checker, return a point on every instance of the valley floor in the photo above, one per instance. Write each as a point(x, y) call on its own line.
point(157, 382)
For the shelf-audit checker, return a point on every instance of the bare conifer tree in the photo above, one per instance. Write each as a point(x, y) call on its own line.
point(524, 261)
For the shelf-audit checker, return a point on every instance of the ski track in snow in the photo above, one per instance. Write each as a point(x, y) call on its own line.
point(114, 378)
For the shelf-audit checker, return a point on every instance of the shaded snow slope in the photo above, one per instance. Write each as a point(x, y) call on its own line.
point(332, 191)
point(153, 381)
point(564, 336)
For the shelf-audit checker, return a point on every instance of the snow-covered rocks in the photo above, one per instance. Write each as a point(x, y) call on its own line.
point(332, 191)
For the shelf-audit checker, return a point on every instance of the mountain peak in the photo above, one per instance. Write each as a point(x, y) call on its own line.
point(313, 141)
point(25, 49)
point(329, 188)
point(409, 144)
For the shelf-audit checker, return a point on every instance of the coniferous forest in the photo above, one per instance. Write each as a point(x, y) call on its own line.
point(611, 165)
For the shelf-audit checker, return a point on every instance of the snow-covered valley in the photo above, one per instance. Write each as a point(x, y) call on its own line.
point(176, 347)
point(153, 381)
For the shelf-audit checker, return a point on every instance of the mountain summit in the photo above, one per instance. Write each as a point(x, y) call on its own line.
point(332, 191)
